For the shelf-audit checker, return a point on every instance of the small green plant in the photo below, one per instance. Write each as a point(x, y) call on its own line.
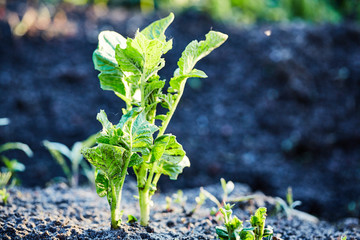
point(129, 67)
point(180, 198)
point(72, 170)
point(234, 229)
point(200, 200)
point(4, 179)
point(227, 187)
point(288, 208)
point(13, 166)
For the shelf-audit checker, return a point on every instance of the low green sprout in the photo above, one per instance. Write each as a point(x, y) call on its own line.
point(227, 187)
point(72, 171)
point(13, 165)
point(130, 67)
point(288, 208)
point(4, 179)
point(234, 229)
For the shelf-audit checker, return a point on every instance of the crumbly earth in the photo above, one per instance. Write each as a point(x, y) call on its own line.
point(59, 212)
point(276, 111)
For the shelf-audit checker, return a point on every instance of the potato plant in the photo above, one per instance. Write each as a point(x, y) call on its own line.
point(129, 67)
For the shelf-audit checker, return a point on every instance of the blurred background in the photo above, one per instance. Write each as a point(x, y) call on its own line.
point(280, 107)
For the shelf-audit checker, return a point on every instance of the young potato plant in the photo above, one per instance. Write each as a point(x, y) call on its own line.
point(234, 229)
point(72, 170)
point(129, 67)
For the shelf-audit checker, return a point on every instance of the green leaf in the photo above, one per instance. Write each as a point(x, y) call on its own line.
point(195, 51)
point(178, 78)
point(4, 178)
point(13, 165)
point(102, 184)
point(258, 219)
point(156, 30)
point(142, 132)
point(247, 235)
point(129, 59)
point(16, 146)
point(135, 160)
point(235, 223)
point(104, 61)
point(107, 158)
point(167, 100)
point(222, 233)
point(171, 156)
point(131, 219)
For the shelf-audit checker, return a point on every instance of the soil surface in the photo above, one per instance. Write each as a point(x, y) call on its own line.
point(276, 111)
point(59, 212)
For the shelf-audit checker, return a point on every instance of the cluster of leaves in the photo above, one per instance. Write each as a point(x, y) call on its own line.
point(11, 166)
point(129, 67)
point(72, 170)
point(234, 229)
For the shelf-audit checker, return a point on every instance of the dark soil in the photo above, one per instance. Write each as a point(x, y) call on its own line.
point(276, 111)
point(59, 212)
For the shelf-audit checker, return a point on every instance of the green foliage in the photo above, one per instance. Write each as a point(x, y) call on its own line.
point(4, 195)
point(131, 219)
point(72, 169)
point(233, 228)
point(13, 166)
point(129, 67)
point(227, 187)
point(288, 208)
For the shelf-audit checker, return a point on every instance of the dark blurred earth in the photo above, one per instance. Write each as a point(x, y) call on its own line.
point(276, 111)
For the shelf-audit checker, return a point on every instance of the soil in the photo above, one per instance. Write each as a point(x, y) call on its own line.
point(276, 111)
point(59, 212)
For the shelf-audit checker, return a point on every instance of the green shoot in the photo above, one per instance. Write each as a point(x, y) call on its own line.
point(288, 208)
point(129, 67)
point(72, 172)
point(4, 179)
point(131, 219)
point(13, 166)
point(168, 204)
point(233, 228)
point(227, 187)
point(200, 200)
point(179, 198)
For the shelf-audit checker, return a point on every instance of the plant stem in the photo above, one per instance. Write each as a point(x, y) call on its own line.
point(115, 207)
point(144, 200)
point(144, 191)
point(173, 108)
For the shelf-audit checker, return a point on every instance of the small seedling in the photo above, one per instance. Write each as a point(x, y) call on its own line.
point(4, 179)
point(179, 198)
point(72, 170)
point(131, 219)
point(13, 166)
point(200, 200)
point(233, 228)
point(168, 204)
point(288, 208)
point(227, 187)
point(130, 67)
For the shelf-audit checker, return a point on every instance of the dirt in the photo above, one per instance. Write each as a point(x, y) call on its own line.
point(276, 110)
point(59, 212)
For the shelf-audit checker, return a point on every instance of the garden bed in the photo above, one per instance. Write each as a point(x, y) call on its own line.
point(279, 110)
point(60, 212)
